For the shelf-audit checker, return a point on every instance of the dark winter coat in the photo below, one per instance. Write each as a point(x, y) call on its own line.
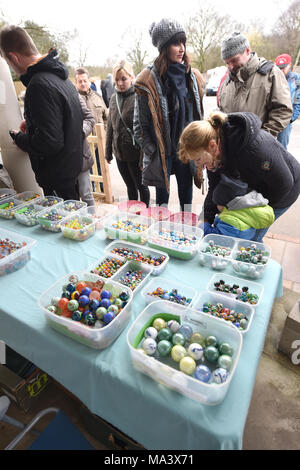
point(255, 156)
point(118, 140)
point(53, 115)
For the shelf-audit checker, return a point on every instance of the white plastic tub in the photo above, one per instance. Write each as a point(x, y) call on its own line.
point(17, 259)
point(228, 303)
point(165, 370)
point(166, 285)
point(220, 260)
point(59, 213)
point(78, 227)
point(126, 226)
point(253, 287)
point(9, 205)
point(180, 241)
point(250, 269)
point(97, 338)
point(157, 259)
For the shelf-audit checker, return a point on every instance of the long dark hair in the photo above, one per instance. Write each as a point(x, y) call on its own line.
point(162, 62)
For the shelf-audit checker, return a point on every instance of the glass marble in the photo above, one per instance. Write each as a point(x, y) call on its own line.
point(187, 365)
point(226, 348)
point(149, 346)
point(220, 375)
point(178, 338)
point(173, 325)
point(202, 373)
point(164, 333)
point(100, 312)
point(151, 332)
point(211, 354)
point(197, 338)
point(195, 350)
point(159, 323)
point(186, 331)
point(178, 352)
point(225, 362)
point(164, 347)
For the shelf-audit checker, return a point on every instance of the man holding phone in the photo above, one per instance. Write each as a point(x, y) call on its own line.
point(52, 131)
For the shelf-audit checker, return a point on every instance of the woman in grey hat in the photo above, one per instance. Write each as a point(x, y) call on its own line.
point(169, 96)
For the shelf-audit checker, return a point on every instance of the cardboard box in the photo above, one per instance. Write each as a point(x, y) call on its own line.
point(23, 391)
point(290, 337)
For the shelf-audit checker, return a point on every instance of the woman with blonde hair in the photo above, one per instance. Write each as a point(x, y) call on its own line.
point(235, 145)
point(168, 96)
point(120, 140)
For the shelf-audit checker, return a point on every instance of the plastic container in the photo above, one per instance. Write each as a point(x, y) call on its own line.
point(135, 251)
point(160, 238)
point(253, 287)
point(117, 227)
point(216, 261)
point(133, 207)
point(249, 269)
point(16, 260)
point(59, 213)
point(6, 192)
point(9, 205)
point(156, 213)
point(186, 218)
point(133, 265)
point(166, 285)
point(166, 371)
point(97, 338)
point(100, 268)
point(239, 307)
point(100, 212)
point(49, 201)
point(78, 227)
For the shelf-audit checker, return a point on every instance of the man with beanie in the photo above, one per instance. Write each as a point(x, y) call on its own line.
point(284, 62)
point(52, 131)
point(242, 211)
point(254, 84)
point(169, 96)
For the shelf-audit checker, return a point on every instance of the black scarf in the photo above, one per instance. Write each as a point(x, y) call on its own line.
point(176, 90)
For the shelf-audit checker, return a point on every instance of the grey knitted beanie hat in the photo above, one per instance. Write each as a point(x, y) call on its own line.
point(163, 31)
point(235, 44)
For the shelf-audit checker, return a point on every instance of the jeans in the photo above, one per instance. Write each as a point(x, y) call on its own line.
point(284, 136)
point(132, 177)
point(260, 233)
point(84, 186)
point(184, 184)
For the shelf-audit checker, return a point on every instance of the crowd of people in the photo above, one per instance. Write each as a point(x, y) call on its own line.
point(155, 127)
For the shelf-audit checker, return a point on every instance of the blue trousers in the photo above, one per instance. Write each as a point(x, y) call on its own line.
point(284, 136)
point(260, 233)
point(184, 183)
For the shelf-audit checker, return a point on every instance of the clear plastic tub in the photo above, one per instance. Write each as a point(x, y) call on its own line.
point(17, 259)
point(254, 288)
point(133, 207)
point(220, 260)
point(9, 205)
point(135, 252)
point(49, 201)
point(130, 227)
point(156, 213)
point(255, 267)
point(186, 218)
point(100, 212)
point(180, 241)
point(165, 370)
point(6, 192)
point(234, 305)
point(94, 337)
point(133, 266)
point(27, 214)
point(50, 219)
point(78, 227)
point(183, 290)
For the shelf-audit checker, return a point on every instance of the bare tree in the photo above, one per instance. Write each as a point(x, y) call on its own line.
point(206, 29)
point(287, 28)
point(135, 45)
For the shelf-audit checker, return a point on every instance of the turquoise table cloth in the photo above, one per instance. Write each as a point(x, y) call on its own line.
point(105, 380)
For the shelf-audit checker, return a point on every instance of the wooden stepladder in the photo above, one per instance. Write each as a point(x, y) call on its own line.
point(98, 141)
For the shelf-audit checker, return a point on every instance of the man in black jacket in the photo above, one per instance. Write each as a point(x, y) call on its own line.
point(52, 130)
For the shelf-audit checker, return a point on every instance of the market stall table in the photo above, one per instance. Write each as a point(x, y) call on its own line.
point(105, 380)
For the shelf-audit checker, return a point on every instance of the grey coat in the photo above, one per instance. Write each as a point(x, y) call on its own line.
point(88, 124)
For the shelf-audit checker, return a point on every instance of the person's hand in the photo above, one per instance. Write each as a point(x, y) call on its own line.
point(22, 127)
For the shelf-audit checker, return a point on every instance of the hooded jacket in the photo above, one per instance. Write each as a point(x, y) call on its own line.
point(151, 122)
point(53, 115)
point(261, 88)
point(242, 217)
point(254, 156)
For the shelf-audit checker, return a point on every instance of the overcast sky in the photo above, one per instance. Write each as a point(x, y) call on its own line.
point(101, 23)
